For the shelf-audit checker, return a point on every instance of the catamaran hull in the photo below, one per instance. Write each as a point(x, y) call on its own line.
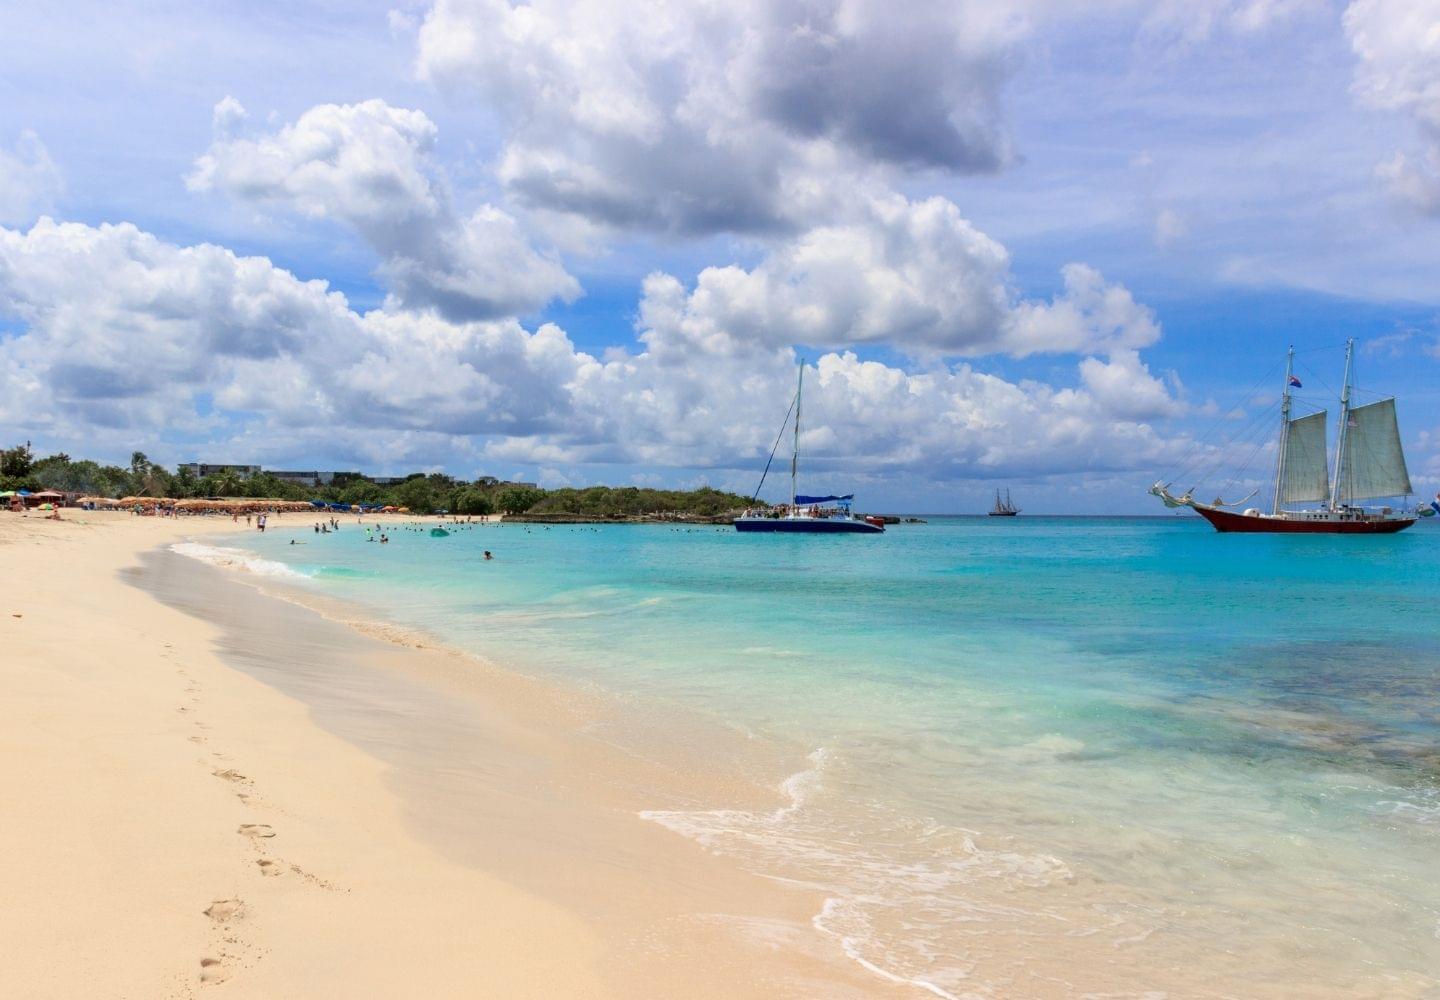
point(1226, 520)
point(817, 526)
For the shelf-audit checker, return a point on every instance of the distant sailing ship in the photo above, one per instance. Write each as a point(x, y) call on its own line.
point(1004, 508)
point(811, 514)
point(1369, 464)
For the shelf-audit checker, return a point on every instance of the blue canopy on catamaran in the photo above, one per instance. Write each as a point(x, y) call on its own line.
point(804, 500)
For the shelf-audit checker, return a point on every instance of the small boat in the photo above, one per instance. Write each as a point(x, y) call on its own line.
point(1369, 464)
point(1004, 508)
point(828, 515)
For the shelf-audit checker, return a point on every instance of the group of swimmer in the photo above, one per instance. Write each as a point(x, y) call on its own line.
point(379, 533)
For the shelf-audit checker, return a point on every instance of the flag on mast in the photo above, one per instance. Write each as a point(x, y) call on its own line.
point(1295, 383)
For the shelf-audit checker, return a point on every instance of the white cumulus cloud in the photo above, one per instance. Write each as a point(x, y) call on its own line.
point(737, 117)
point(1398, 46)
point(123, 335)
point(370, 165)
point(914, 275)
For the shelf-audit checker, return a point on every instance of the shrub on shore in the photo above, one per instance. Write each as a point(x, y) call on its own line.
point(422, 493)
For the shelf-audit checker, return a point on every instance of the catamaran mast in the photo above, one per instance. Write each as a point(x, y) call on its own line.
point(795, 452)
point(1282, 454)
point(1335, 495)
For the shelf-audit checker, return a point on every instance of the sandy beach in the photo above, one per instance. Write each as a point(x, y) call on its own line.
point(210, 789)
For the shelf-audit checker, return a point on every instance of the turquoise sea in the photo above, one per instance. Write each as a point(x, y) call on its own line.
point(1091, 752)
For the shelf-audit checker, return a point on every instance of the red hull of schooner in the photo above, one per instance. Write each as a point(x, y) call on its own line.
point(1225, 520)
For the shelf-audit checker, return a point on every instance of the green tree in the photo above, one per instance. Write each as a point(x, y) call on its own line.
point(227, 484)
point(15, 463)
point(185, 484)
point(518, 499)
point(111, 481)
point(473, 501)
point(58, 472)
point(417, 494)
point(359, 491)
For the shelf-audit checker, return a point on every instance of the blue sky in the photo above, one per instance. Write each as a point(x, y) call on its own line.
point(1042, 245)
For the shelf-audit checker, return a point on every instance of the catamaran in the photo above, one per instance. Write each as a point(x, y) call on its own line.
point(1369, 464)
point(812, 514)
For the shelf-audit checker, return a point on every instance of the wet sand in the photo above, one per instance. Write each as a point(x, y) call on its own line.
point(212, 788)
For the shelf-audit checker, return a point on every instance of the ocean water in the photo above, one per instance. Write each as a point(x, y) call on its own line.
point(1031, 756)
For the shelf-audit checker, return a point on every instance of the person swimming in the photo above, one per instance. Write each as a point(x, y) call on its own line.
point(488, 556)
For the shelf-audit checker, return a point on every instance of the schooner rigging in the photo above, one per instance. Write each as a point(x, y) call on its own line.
point(1369, 464)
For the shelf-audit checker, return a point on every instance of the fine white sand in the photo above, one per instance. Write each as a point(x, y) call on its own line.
point(173, 825)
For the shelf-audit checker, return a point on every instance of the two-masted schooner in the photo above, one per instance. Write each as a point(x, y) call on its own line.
point(1003, 508)
point(1369, 464)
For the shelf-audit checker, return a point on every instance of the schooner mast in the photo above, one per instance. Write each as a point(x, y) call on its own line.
point(1343, 434)
point(1284, 431)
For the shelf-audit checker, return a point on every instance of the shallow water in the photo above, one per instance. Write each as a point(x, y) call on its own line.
point(1045, 755)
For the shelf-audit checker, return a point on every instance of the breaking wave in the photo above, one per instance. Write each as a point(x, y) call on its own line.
point(894, 887)
point(236, 559)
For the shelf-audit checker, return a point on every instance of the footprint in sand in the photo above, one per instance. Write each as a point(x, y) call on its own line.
point(230, 774)
point(196, 739)
point(211, 971)
point(255, 830)
point(268, 867)
point(222, 910)
point(315, 879)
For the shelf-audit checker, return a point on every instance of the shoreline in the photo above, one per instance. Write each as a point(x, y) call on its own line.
point(490, 831)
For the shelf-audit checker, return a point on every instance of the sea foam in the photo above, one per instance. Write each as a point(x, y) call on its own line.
point(236, 559)
point(894, 886)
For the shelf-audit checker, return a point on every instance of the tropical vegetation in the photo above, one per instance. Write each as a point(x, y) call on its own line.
point(20, 469)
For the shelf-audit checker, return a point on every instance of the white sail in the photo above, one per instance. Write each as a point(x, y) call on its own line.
point(1374, 463)
point(1306, 477)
